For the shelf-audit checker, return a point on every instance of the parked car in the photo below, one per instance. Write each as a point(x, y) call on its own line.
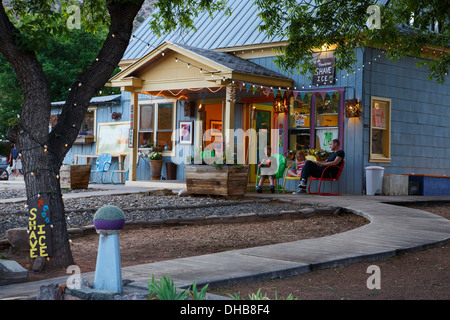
point(3, 165)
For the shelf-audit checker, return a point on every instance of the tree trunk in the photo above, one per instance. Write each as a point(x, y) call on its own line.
point(41, 174)
point(43, 152)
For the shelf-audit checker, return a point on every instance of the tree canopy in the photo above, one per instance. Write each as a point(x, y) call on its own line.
point(419, 28)
point(406, 27)
point(62, 60)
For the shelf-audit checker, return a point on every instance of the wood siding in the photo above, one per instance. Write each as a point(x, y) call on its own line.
point(420, 113)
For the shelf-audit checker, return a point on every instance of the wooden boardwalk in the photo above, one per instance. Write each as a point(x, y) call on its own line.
point(392, 230)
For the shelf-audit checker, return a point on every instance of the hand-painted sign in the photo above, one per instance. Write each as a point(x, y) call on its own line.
point(325, 136)
point(39, 228)
point(324, 73)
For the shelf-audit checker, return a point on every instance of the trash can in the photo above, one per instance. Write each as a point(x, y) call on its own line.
point(171, 170)
point(374, 180)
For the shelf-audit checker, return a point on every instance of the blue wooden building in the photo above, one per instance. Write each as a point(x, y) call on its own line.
point(221, 83)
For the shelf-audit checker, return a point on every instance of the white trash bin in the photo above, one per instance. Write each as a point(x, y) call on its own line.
point(374, 180)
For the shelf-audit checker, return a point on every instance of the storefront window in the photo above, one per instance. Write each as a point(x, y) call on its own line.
point(160, 116)
point(299, 123)
point(380, 150)
point(314, 120)
point(88, 125)
point(165, 125)
point(326, 121)
point(146, 125)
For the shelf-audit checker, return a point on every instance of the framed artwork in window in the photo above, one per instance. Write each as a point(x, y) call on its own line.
point(216, 128)
point(186, 132)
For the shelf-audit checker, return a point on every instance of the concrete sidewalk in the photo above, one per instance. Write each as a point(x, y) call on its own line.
point(392, 230)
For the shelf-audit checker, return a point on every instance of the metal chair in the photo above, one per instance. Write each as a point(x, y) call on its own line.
point(102, 165)
point(124, 171)
point(323, 178)
point(281, 161)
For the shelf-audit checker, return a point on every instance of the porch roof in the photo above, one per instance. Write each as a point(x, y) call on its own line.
point(173, 66)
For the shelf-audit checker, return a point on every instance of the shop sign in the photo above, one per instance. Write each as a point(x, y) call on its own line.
point(39, 229)
point(324, 73)
point(300, 120)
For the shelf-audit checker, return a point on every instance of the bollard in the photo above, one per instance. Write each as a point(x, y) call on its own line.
point(108, 222)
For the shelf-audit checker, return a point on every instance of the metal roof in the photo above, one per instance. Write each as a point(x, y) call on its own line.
point(95, 100)
point(221, 31)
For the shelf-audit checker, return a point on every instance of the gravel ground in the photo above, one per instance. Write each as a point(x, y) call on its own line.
point(139, 207)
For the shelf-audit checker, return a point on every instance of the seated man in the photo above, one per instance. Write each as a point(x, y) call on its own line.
point(315, 168)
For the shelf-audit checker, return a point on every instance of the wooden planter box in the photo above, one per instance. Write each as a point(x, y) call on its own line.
point(75, 176)
point(228, 181)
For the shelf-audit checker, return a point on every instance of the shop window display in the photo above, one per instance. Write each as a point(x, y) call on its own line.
point(380, 130)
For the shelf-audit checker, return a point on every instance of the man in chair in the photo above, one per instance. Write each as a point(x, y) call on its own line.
point(315, 168)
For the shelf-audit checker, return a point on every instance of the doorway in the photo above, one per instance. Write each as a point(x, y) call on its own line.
point(262, 123)
point(212, 133)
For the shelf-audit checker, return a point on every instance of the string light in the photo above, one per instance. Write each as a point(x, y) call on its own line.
point(287, 89)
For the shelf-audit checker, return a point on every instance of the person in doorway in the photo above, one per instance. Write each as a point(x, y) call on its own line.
point(15, 161)
point(268, 168)
point(315, 168)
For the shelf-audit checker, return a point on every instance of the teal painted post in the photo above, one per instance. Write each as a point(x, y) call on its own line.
point(108, 221)
point(108, 272)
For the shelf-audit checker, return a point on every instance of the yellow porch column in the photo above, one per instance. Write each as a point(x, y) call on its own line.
point(134, 151)
point(228, 120)
point(198, 132)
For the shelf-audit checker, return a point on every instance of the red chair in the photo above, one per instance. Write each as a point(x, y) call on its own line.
point(326, 179)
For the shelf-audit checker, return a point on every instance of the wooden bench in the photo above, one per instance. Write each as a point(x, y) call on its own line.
point(431, 185)
point(323, 178)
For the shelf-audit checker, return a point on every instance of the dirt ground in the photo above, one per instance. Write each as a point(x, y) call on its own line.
point(420, 275)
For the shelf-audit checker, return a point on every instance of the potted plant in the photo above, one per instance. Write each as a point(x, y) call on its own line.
point(320, 155)
point(156, 161)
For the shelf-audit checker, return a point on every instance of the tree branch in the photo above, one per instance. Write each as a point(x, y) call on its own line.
point(27, 68)
point(122, 14)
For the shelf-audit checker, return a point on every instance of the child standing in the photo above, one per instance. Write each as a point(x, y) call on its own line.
point(268, 167)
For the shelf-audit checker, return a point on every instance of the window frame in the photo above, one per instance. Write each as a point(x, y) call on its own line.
point(312, 129)
point(155, 130)
point(385, 156)
point(90, 109)
point(56, 116)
